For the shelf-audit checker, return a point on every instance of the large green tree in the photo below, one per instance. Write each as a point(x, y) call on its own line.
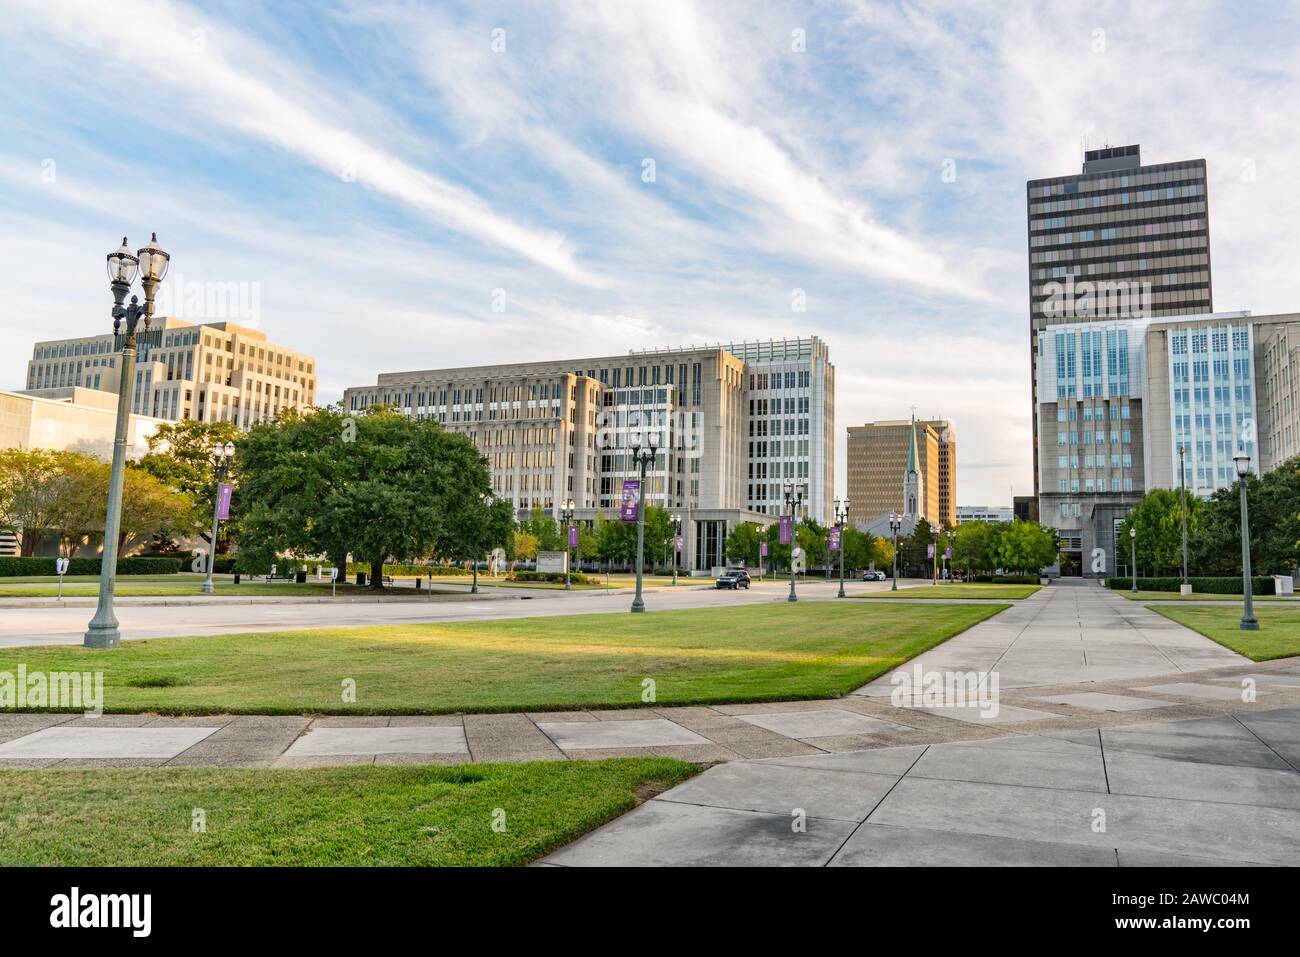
point(1158, 521)
point(1026, 547)
point(1273, 502)
point(378, 484)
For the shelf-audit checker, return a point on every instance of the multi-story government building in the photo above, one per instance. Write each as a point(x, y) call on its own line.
point(733, 430)
point(1118, 241)
point(217, 371)
point(878, 458)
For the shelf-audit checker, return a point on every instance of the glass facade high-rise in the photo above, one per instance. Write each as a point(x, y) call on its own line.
point(1118, 241)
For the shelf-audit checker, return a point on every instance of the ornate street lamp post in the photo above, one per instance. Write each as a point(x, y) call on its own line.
point(895, 523)
point(1133, 544)
point(951, 535)
point(677, 552)
point(1248, 620)
point(643, 458)
point(841, 520)
point(567, 512)
point(1186, 587)
point(150, 263)
point(937, 530)
point(794, 496)
point(222, 458)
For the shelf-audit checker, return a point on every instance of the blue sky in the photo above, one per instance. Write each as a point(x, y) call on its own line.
point(378, 173)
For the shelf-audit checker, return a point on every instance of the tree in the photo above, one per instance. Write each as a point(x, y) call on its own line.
point(180, 456)
point(523, 547)
point(742, 545)
point(862, 549)
point(615, 540)
point(30, 494)
point(1026, 547)
point(379, 485)
point(150, 509)
point(545, 529)
point(1158, 520)
point(975, 549)
point(1274, 505)
point(476, 524)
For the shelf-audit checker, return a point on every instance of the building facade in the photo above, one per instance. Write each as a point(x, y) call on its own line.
point(212, 372)
point(559, 430)
point(1118, 241)
point(985, 513)
point(1277, 362)
point(70, 420)
point(877, 463)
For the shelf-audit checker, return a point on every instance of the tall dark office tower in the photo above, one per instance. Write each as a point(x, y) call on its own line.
point(1119, 241)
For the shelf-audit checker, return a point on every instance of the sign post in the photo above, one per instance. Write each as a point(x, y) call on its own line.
point(334, 581)
point(60, 566)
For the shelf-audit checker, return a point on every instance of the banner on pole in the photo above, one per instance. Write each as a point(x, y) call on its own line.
point(677, 543)
point(762, 549)
point(787, 529)
point(631, 492)
point(947, 552)
point(835, 539)
point(929, 551)
point(224, 491)
point(573, 536)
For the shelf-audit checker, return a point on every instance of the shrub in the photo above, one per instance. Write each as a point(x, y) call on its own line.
point(13, 567)
point(528, 576)
point(1007, 579)
point(1259, 585)
point(407, 571)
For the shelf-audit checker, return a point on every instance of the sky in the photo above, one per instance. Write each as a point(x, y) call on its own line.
point(411, 185)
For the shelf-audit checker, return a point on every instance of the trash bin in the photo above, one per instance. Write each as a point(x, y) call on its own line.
point(301, 577)
point(361, 579)
point(236, 578)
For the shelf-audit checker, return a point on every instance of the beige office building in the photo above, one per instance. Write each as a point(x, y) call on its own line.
point(552, 431)
point(878, 455)
point(73, 420)
point(217, 371)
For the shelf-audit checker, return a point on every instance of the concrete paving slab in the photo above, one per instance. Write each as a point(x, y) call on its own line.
point(643, 733)
point(824, 722)
point(746, 786)
point(894, 761)
point(1099, 701)
point(974, 714)
point(328, 741)
point(1192, 690)
point(1078, 770)
point(876, 845)
point(1273, 678)
point(88, 743)
point(663, 833)
point(1132, 773)
point(1221, 741)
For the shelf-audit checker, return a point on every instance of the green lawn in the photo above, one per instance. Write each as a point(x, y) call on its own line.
point(130, 589)
point(957, 590)
point(1278, 635)
point(760, 652)
point(335, 817)
point(1197, 596)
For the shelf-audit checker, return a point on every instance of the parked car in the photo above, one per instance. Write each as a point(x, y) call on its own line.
point(873, 575)
point(737, 578)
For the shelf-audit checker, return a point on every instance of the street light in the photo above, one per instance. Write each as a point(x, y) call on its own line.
point(794, 496)
point(1133, 545)
point(841, 518)
point(1186, 587)
point(1248, 620)
point(223, 456)
point(895, 523)
point(150, 264)
point(643, 457)
point(951, 535)
point(567, 511)
point(937, 530)
point(677, 552)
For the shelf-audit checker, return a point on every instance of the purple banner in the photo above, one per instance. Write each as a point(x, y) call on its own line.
point(573, 536)
point(223, 499)
point(929, 551)
point(947, 553)
point(631, 492)
point(677, 543)
point(787, 529)
point(835, 539)
point(762, 549)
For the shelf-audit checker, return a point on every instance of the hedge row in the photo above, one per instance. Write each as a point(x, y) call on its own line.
point(12, 567)
point(1260, 585)
point(529, 576)
point(1007, 579)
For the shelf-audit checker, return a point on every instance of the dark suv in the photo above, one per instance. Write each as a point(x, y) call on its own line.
point(733, 579)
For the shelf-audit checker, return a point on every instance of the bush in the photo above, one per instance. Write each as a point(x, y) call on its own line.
point(1259, 585)
point(11, 567)
point(1007, 579)
point(526, 576)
